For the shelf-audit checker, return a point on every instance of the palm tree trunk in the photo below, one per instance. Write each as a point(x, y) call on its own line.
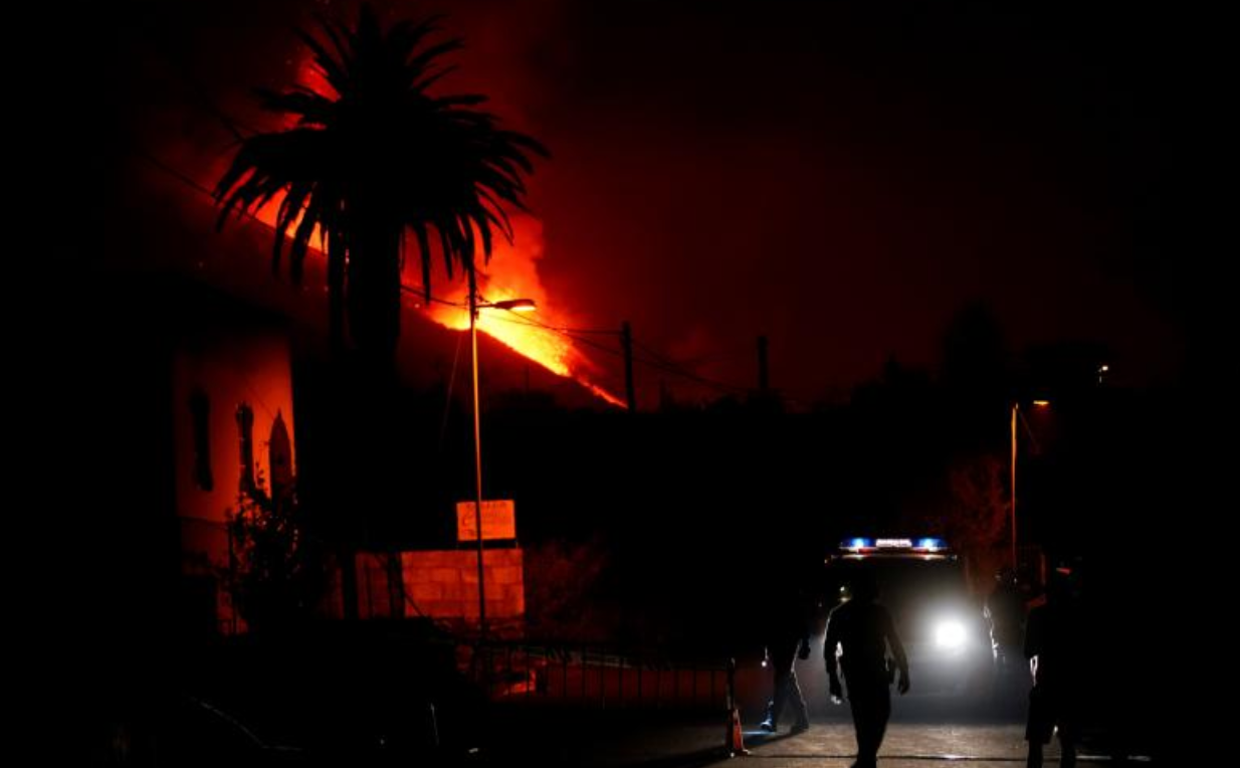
point(373, 295)
point(335, 294)
point(372, 301)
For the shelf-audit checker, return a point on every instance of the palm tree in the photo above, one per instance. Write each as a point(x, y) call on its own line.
point(379, 157)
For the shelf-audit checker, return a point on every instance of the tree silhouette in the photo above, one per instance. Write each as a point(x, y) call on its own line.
point(276, 574)
point(377, 159)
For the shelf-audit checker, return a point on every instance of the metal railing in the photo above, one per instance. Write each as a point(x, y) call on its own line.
point(598, 674)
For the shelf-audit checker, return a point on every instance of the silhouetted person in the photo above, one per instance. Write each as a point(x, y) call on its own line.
point(1053, 646)
point(789, 624)
point(1005, 615)
point(859, 632)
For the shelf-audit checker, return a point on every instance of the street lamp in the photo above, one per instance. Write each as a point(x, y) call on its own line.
point(512, 305)
point(1016, 416)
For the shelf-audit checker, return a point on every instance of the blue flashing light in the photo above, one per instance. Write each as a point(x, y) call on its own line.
point(858, 543)
point(931, 543)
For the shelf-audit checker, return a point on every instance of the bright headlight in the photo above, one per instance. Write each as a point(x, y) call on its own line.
point(949, 634)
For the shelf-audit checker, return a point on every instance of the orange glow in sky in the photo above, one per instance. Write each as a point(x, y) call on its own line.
point(511, 273)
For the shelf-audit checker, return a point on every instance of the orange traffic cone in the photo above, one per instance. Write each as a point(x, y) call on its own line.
point(735, 744)
point(734, 738)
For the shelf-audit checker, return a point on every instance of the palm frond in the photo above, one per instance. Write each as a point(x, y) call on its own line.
point(381, 155)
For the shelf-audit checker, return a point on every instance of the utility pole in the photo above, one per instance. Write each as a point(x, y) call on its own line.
point(626, 342)
point(764, 378)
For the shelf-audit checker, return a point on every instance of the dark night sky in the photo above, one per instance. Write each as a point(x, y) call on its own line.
point(840, 176)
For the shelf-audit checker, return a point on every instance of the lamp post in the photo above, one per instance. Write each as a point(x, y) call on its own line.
point(1016, 416)
point(512, 305)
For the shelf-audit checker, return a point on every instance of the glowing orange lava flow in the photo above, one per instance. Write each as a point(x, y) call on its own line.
point(547, 348)
point(511, 274)
point(520, 333)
